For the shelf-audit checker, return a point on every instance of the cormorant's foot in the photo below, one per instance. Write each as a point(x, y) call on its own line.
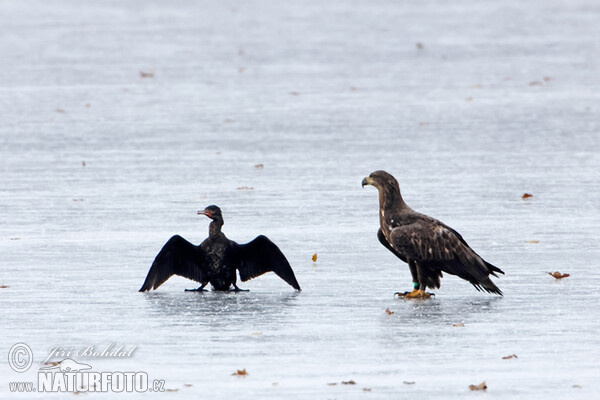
point(415, 294)
point(237, 289)
point(200, 289)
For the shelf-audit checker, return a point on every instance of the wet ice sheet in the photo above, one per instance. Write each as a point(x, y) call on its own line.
point(321, 95)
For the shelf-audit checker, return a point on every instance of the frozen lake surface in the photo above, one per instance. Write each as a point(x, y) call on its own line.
point(469, 104)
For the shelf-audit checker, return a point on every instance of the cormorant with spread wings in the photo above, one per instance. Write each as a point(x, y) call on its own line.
point(426, 244)
point(216, 260)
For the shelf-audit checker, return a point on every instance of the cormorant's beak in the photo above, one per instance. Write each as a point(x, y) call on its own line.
point(367, 181)
point(209, 214)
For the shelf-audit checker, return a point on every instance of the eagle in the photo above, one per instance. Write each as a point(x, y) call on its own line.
point(427, 245)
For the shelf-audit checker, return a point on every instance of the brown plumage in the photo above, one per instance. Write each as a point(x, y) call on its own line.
point(429, 246)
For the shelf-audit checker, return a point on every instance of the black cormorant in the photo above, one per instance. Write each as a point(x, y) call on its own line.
point(216, 260)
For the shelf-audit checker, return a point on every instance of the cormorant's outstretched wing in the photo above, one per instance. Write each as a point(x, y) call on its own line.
point(177, 257)
point(433, 244)
point(260, 256)
point(384, 242)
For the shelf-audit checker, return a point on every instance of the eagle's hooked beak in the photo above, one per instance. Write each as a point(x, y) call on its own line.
point(367, 181)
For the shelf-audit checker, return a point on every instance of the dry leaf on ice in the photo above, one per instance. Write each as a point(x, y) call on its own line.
point(558, 275)
point(240, 372)
point(481, 386)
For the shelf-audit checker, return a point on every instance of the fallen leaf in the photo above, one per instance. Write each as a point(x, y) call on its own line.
point(294, 93)
point(527, 195)
point(459, 325)
point(245, 188)
point(469, 99)
point(188, 385)
point(476, 86)
point(240, 372)
point(171, 390)
point(87, 105)
point(558, 275)
point(350, 382)
point(576, 387)
point(332, 383)
point(60, 110)
point(366, 389)
point(240, 52)
point(481, 386)
point(388, 311)
point(78, 200)
point(352, 88)
point(509, 357)
point(228, 120)
point(83, 163)
point(535, 83)
point(241, 70)
point(423, 123)
point(259, 166)
point(257, 333)
point(408, 382)
point(4, 287)
point(420, 46)
point(147, 74)
point(275, 383)
point(547, 79)
point(77, 392)
point(15, 238)
point(314, 257)
point(532, 241)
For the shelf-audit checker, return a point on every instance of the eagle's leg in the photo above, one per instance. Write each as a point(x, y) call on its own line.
point(415, 277)
point(419, 287)
point(200, 289)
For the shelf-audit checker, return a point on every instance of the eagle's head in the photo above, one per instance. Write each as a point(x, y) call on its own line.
point(380, 179)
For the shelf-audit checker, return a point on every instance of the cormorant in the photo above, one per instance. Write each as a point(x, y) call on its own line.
point(426, 244)
point(217, 258)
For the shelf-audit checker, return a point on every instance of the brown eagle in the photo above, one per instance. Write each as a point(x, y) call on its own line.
point(426, 244)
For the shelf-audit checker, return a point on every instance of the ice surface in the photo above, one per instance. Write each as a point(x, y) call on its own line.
point(502, 99)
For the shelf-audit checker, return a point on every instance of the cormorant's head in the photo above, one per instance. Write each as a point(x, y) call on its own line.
point(380, 179)
point(212, 212)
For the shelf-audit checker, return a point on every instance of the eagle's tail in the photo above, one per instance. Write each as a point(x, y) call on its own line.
point(492, 269)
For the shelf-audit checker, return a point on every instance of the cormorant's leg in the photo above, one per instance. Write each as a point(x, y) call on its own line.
point(237, 289)
point(200, 289)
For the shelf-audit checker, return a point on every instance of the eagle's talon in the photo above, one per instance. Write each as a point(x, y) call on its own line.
point(417, 294)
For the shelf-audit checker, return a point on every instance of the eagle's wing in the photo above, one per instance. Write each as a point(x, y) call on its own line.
point(386, 244)
point(261, 256)
point(177, 257)
point(435, 245)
